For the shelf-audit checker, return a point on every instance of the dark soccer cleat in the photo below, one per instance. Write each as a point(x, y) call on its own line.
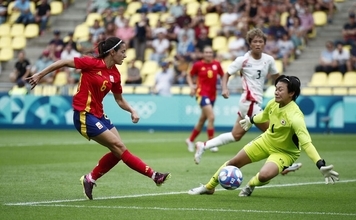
point(87, 186)
point(160, 178)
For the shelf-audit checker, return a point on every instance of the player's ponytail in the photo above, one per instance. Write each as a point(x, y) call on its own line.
point(112, 43)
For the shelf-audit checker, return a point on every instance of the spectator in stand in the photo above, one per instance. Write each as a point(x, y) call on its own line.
point(164, 80)
point(160, 47)
point(252, 9)
point(188, 31)
point(297, 34)
point(201, 43)
point(86, 46)
point(286, 48)
point(267, 9)
point(98, 6)
point(185, 48)
point(110, 30)
point(349, 31)
point(22, 68)
point(199, 27)
point(215, 6)
point(271, 47)
point(133, 73)
point(198, 18)
point(42, 15)
point(26, 16)
point(276, 28)
point(172, 29)
point(327, 6)
point(3, 11)
point(353, 58)
point(152, 6)
point(115, 4)
point(57, 41)
point(184, 18)
point(228, 21)
point(70, 40)
point(176, 9)
point(142, 34)
point(18, 89)
point(342, 59)
point(326, 61)
point(181, 67)
point(292, 14)
point(68, 54)
point(307, 22)
point(120, 18)
point(126, 32)
point(158, 28)
point(108, 17)
point(96, 29)
point(236, 47)
point(42, 62)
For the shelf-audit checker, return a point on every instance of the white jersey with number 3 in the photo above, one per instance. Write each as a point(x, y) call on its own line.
point(253, 73)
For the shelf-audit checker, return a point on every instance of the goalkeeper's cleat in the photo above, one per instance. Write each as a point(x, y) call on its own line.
point(214, 149)
point(201, 190)
point(292, 168)
point(87, 186)
point(161, 178)
point(199, 150)
point(246, 191)
point(190, 145)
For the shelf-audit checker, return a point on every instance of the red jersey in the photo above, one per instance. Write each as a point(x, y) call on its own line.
point(95, 82)
point(207, 74)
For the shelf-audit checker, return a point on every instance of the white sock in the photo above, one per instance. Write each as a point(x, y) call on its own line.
point(222, 139)
point(91, 178)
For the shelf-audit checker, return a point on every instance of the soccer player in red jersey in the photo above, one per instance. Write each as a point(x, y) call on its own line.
point(207, 72)
point(100, 76)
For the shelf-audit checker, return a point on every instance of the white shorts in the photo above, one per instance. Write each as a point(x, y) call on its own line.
point(249, 108)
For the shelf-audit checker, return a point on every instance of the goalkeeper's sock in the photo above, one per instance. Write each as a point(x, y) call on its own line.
point(256, 182)
point(136, 164)
point(213, 182)
point(222, 139)
point(105, 164)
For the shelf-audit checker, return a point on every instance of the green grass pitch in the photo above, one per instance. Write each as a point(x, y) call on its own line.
point(40, 171)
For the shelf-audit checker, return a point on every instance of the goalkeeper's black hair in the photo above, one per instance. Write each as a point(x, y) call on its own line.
point(293, 83)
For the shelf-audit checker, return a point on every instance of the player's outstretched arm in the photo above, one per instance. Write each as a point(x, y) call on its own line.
point(329, 174)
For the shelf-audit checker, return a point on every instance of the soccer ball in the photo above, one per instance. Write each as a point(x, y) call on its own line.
point(230, 177)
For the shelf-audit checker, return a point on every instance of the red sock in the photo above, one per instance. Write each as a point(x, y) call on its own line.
point(210, 133)
point(136, 163)
point(194, 134)
point(105, 164)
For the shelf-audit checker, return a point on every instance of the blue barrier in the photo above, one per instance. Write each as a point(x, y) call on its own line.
point(168, 113)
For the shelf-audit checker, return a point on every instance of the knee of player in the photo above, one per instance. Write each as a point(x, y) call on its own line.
point(118, 147)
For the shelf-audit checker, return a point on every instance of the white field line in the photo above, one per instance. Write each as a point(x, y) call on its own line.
point(54, 202)
point(27, 144)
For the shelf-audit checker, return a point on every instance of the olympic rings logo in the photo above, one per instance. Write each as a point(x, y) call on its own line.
point(144, 109)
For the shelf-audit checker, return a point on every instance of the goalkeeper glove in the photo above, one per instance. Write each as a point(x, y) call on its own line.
point(329, 174)
point(246, 123)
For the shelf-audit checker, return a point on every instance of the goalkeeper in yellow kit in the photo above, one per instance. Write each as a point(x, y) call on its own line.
point(278, 144)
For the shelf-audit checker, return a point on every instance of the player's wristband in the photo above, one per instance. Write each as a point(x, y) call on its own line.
point(320, 163)
point(251, 119)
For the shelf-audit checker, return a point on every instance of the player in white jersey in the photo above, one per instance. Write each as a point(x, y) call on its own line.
point(254, 67)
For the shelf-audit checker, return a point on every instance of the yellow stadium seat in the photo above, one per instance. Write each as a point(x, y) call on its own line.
point(185, 90)
point(312, 34)
point(340, 91)
point(6, 54)
point(10, 7)
point(32, 30)
point(192, 7)
point(150, 80)
point(212, 19)
point(283, 18)
point(92, 17)
point(219, 43)
point(352, 91)
point(334, 79)
point(56, 7)
point(148, 53)
point(134, 18)
point(279, 66)
point(149, 67)
point(17, 30)
point(213, 31)
point(5, 30)
point(81, 31)
point(225, 64)
point(164, 17)
point(349, 79)
point(320, 18)
point(142, 90)
point(132, 7)
point(127, 89)
point(153, 19)
point(130, 54)
point(324, 91)
point(37, 91)
point(318, 79)
point(61, 79)
point(308, 91)
point(49, 90)
point(18, 42)
point(138, 64)
point(175, 90)
point(5, 42)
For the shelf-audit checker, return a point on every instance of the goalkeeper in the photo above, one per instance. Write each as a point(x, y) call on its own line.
point(278, 144)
